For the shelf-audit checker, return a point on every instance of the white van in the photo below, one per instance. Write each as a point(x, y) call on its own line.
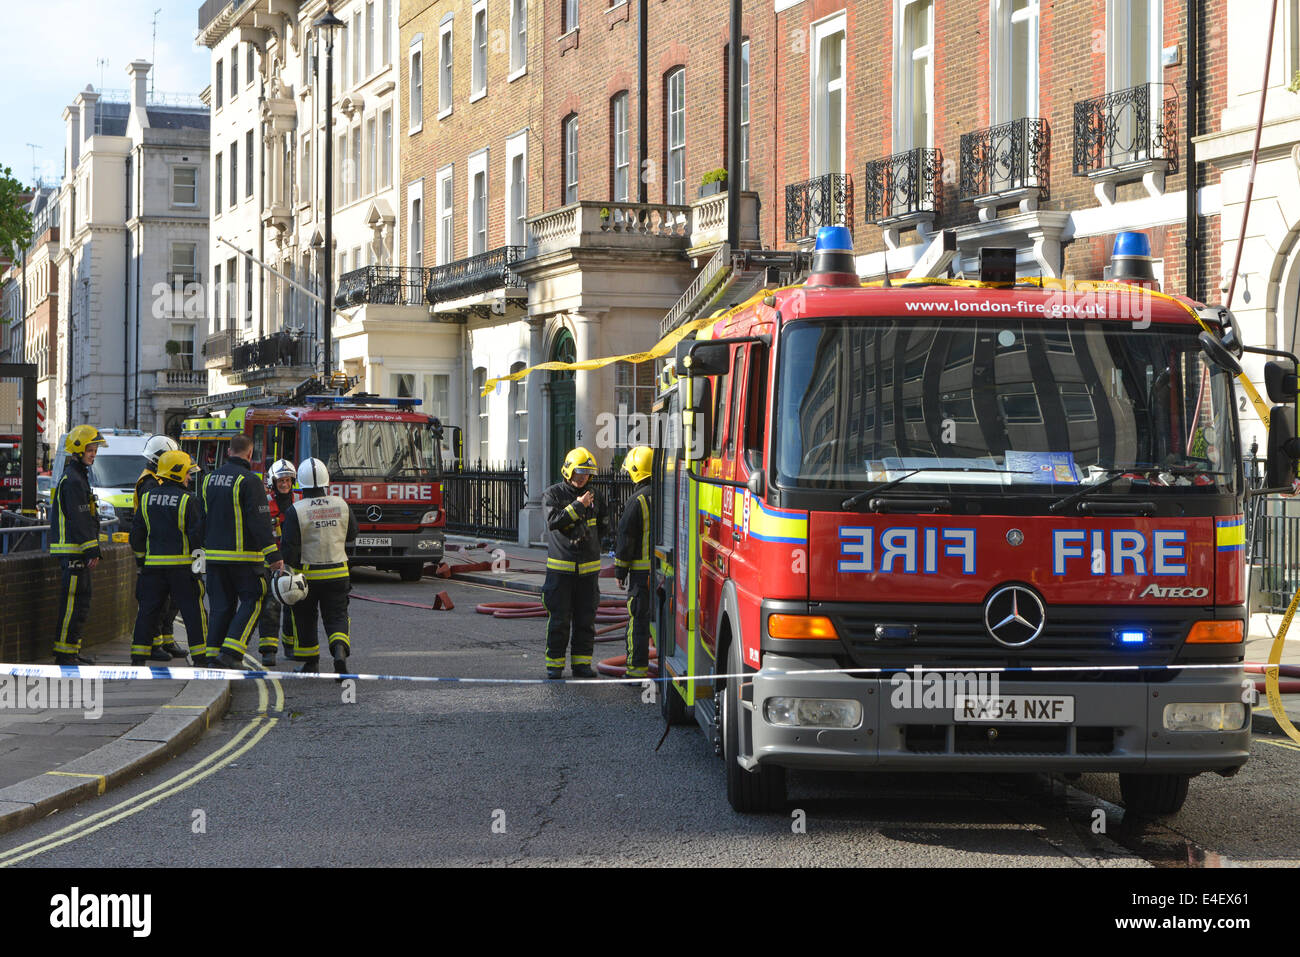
point(114, 472)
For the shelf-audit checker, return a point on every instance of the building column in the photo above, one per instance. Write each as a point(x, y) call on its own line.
point(532, 521)
point(589, 398)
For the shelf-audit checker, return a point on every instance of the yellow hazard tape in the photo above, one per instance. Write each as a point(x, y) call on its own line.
point(1270, 675)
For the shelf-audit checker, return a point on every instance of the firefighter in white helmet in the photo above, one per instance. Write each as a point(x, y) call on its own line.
point(276, 621)
point(314, 537)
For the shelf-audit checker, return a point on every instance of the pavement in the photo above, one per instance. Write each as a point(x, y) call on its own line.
point(52, 758)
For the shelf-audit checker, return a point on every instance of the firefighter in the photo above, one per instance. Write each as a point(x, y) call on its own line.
point(315, 533)
point(632, 560)
point(576, 522)
point(164, 641)
point(168, 526)
point(239, 541)
point(276, 619)
point(74, 537)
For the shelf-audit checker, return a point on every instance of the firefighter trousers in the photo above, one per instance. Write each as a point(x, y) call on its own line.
point(327, 597)
point(275, 622)
point(237, 590)
point(570, 601)
point(74, 607)
point(638, 624)
point(164, 586)
point(164, 627)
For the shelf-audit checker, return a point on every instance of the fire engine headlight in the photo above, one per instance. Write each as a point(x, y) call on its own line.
point(429, 517)
point(812, 712)
point(1201, 716)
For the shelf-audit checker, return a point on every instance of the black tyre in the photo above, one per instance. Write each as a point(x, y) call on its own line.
point(671, 704)
point(1154, 793)
point(749, 792)
point(411, 572)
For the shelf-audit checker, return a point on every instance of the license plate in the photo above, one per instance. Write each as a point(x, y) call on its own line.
point(364, 542)
point(1020, 708)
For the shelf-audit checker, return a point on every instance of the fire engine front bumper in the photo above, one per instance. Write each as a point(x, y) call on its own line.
point(1116, 726)
point(425, 545)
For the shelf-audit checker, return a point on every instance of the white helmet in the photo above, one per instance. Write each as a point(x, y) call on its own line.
point(282, 468)
point(313, 474)
point(156, 446)
point(290, 587)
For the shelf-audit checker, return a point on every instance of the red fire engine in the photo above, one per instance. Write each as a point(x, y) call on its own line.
point(867, 495)
point(382, 455)
point(11, 473)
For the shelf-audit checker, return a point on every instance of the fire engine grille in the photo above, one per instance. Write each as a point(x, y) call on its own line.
point(392, 514)
point(1009, 739)
point(955, 635)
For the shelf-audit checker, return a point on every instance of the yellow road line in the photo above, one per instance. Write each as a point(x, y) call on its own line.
point(195, 779)
point(215, 760)
point(1280, 744)
point(103, 781)
point(197, 707)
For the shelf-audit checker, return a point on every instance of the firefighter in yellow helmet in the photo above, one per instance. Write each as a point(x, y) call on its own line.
point(576, 522)
point(74, 538)
point(632, 560)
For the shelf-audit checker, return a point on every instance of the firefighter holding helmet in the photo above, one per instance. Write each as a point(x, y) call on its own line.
point(632, 560)
point(164, 646)
point(168, 526)
point(315, 534)
point(576, 522)
point(74, 538)
point(277, 617)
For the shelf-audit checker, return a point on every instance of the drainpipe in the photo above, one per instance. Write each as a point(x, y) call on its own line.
point(1193, 230)
point(733, 130)
point(139, 260)
point(642, 148)
point(126, 296)
point(261, 195)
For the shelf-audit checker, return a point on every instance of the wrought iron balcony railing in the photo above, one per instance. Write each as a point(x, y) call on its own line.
point(475, 274)
point(825, 200)
point(381, 285)
point(1127, 126)
point(277, 349)
point(904, 184)
point(219, 344)
point(1010, 156)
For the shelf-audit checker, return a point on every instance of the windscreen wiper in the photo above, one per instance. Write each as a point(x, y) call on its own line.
point(854, 500)
point(1143, 471)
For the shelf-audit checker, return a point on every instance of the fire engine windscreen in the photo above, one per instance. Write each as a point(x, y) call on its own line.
point(1035, 403)
point(10, 460)
point(379, 450)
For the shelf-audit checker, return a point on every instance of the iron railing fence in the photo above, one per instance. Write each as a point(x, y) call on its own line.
point(904, 184)
point(1126, 126)
point(382, 286)
point(1009, 156)
point(825, 200)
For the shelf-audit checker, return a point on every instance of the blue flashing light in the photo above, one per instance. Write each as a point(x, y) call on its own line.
point(360, 400)
point(1132, 244)
point(1128, 638)
point(834, 239)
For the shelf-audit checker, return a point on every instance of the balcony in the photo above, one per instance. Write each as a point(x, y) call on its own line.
point(825, 200)
point(217, 348)
point(1006, 165)
point(271, 356)
point(903, 191)
point(1124, 136)
point(709, 221)
point(474, 278)
point(211, 9)
point(381, 285)
point(182, 380)
point(605, 224)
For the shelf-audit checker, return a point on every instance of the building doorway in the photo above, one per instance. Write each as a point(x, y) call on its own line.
point(563, 402)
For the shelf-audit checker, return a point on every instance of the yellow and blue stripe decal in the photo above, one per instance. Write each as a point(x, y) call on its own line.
point(1230, 534)
point(769, 524)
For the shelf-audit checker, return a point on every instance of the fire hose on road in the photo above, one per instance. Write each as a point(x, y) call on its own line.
point(611, 612)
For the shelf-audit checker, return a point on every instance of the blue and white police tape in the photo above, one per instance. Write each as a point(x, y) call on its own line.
point(144, 672)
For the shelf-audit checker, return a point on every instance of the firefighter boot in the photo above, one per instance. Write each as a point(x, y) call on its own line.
point(229, 660)
point(138, 660)
point(268, 659)
point(583, 671)
point(339, 650)
point(309, 665)
point(73, 659)
point(555, 672)
point(173, 649)
point(159, 653)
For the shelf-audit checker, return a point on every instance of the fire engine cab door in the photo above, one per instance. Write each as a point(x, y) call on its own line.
point(745, 451)
point(717, 502)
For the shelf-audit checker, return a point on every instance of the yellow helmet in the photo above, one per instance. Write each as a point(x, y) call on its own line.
point(176, 466)
point(579, 460)
point(639, 462)
point(81, 438)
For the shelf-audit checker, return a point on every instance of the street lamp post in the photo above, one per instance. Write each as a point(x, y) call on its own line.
point(326, 24)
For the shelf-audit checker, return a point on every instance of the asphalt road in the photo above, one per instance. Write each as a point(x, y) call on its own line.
point(493, 775)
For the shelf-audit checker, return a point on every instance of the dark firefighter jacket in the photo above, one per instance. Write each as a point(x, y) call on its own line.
point(632, 551)
point(168, 526)
point(238, 516)
point(73, 513)
point(144, 483)
point(574, 531)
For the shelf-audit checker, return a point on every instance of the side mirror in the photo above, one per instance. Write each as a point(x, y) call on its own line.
point(708, 358)
point(1219, 354)
point(697, 419)
point(757, 483)
point(1283, 448)
point(1279, 382)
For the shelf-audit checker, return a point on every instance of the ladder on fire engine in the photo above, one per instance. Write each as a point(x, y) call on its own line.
point(729, 278)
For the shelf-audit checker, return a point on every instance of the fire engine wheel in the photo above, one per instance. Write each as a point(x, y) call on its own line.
point(411, 572)
point(762, 789)
point(1154, 793)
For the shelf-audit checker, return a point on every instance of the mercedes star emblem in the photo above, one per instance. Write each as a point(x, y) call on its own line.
point(1014, 616)
point(374, 513)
